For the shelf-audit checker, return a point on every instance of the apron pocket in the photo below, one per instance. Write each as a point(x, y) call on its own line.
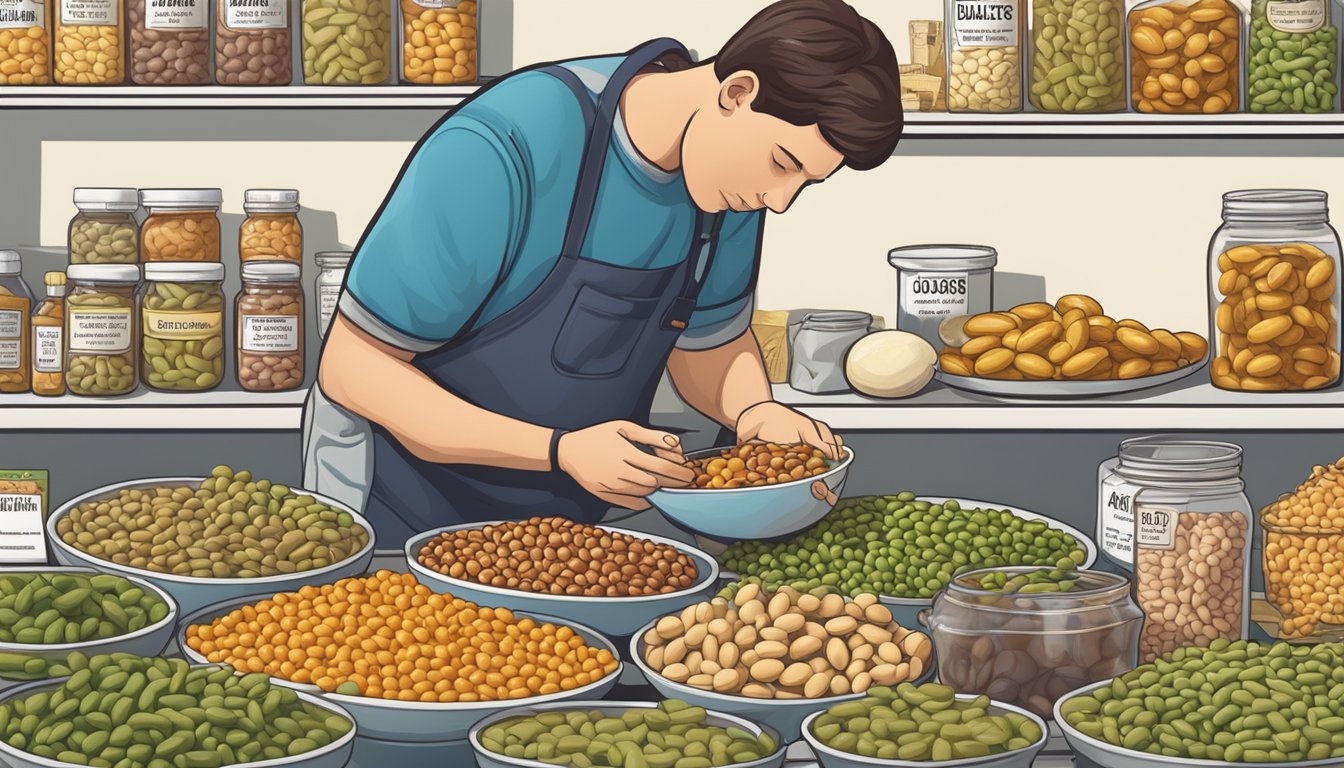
point(599, 333)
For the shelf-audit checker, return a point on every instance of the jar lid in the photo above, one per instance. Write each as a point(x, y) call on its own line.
point(333, 258)
point(10, 263)
point(181, 199)
point(103, 273)
point(263, 271)
point(837, 320)
point(943, 258)
point(114, 199)
point(181, 272)
point(1275, 203)
point(281, 200)
point(1156, 458)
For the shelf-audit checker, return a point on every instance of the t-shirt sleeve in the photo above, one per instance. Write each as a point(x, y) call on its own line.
point(723, 311)
point(441, 242)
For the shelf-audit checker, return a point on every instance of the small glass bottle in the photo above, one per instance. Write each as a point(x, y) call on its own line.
point(986, 40)
point(183, 224)
point(330, 279)
point(16, 304)
point(104, 229)
point(101, 330)
point(182, 306)
point(271, 230)
point(88, 41)
point(25, 43)
point(49, 339)
point(269, 323)
point(253, 39)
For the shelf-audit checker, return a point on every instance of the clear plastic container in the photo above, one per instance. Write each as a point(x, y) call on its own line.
point(439, 41)
point(49, 338)
point(271, 230)
point(330, 279)
point(182, 306)
point(253, 40)
point(1192, 549)
point(25, 43)
point(1274, 280)
point(1077, 56)
point(986, 40)
point(1031, 649)
point(936, 282)
point(1185, 56)
point(269, 323)
point(347, 42)
point(88, 41)
point(183, 224)
point(1292, 59)
point(104, 230)
point(101, 329)
point(16, 305)
point(170, 41)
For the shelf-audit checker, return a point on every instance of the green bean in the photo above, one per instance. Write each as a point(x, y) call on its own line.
point(1291, 71)
point(55, 607)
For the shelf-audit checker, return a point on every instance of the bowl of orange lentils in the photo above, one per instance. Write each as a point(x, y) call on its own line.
point(408, 663)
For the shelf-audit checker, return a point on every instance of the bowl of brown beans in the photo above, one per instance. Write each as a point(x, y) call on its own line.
point(755, 490)
point(610, 579)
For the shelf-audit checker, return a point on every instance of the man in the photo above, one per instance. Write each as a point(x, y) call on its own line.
point(556, 243)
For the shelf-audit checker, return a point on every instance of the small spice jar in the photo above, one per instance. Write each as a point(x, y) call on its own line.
point(818, 346)
point(333, 265)
point(269, 323)
point(253, 39)
point(49, 338)
point(183, 224)
point(100, 329)
point(271, 230)
point(936, 282)
point(183, 310)
point(104, 229)
point(16, 304)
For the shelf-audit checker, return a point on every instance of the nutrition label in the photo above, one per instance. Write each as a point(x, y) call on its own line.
point(934, 294)
point(175, 14)
point(48, 354)
point(1117, 520)
point(183, 326)
point(100, 330)
point(327, 296)
point(985, 23)
point(90, 13)
point(270, 333)
point(11, 337)
point(256, 14)
point(21, 14)
point(1156, 526)
point(1297, 16)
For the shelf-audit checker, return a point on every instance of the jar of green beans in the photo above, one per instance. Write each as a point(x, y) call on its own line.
point(1292, 63)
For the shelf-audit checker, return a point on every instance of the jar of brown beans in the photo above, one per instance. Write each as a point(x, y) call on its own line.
point(757, 464)
point(253, 39)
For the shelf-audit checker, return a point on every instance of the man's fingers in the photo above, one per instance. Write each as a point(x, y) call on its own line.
point(632, 481)
point(650, 437)
point(625, 502)
point(661, 467)
point(828, 437)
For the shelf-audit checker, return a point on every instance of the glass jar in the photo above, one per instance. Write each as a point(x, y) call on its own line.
point(1185, 56)
point(819, 343)
point(1292, 63)
point(170, 41)
point(1077, 55)
point(49, 338)
point(1274, 280)
point(271, 230)
point(1304, 555)
point(330, 280)
point(182, 306)
point(253, 39)
point(104, 230)
point(101, 329)
point(25, 43)
point(16, 304)
point(269, 323)
point(985, 43)
point(1192, 546)
point(440, 41)
point(183, 224)
point(1031, 649)
point(936, 282)
point(347, 42)
point(87, 42)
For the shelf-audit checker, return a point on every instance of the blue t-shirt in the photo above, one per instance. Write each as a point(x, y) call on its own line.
point(485, 200)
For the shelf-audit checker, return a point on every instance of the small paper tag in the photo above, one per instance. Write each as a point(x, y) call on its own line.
point(23, 516)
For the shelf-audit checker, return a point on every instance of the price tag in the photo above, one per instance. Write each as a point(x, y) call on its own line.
point(1156, 526)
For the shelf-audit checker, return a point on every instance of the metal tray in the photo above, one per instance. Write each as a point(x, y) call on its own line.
point(1064, 390)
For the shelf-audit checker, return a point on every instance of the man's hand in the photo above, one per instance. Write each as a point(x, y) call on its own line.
point(606, 461)
point(773, 422)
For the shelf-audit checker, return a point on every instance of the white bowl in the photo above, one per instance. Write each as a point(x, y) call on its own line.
point(192, 592)
point(618, 616)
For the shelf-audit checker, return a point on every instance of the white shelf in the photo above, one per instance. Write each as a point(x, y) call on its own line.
point(1121, 126)
point(233, 97)
point(156, 411)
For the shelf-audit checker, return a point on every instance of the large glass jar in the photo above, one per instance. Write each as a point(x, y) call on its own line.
point(1077, 55)
point(182, 307)
point(183, 224)
point(347, 42)
point(104, 229)
point(985, 44)
point(1275, 283)
point(1031, 649)
point(1192, 549)
point(1304, 554)
point(49, 338)
point(101, 329)
point(16, 304)
point(1292, 63)
point(330, 279)
point(87, 42)
point(25, 42)
point(1185, 56)
point(439, 41)
point(271, 230)
point(269, 323)
point(170, 41)
point(253, 39)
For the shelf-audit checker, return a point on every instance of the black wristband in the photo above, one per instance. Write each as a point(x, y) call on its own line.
point(554, 452)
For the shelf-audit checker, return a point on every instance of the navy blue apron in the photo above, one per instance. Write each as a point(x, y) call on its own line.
point(588, 346)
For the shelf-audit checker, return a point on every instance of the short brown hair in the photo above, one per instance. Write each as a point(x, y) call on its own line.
point(820, 63)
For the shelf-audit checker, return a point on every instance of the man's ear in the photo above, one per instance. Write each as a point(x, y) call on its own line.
point(738, 90)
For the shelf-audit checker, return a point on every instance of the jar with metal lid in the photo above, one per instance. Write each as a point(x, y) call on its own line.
point(182, 306)
point(16, 304)
point(330, 279)
point(942, 283)
point(49, 338)
point(1192, 544)
point(818, 343)
point(88, 41)
point(104, 229)
point(170, 41)
point(271, 230)
point(269, 324)
point(440, 41)
point(253, 39)
point(986, 40)
point(1031, 649)
point(183, 224)
point(101, 329)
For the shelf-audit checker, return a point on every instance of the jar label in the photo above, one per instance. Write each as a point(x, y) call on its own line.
point(183, 326)
point(1297, 16)
point(327, 296)
point(437, 4)
point(175, 14)
point(48, 356)
point(934, 294)
point(11, 338)
point(985, 23)
point(100, 330)
point(270, 333)
point(21, 14)
point(256, 14)
point(1116, 519)
point(91, 13)
point(1156, 527)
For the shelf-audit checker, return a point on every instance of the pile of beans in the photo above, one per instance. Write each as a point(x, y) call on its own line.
point(387, 636)
point(1037, 581)
point(672, 735)
point(103, 242)
point(553, 555)
point(1233, 701)
point(895, 545)
point(49, 608)
point(925, 723)
point(786, 645)
point(1292, 71)
point(180, 236)
point(257, 52)
point(757, 464)
point(1185, 56)
point(25, 57)
point(89, 53)
point(271, 237)
point(440, 42)
point(1078, 59)
point(123, 710)
point(171, 362)
point(179, 55)
point(346, 42)
point(230, 527)
point(1304, 553)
